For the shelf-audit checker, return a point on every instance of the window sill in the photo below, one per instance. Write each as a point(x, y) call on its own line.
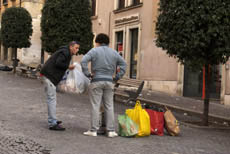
point(94, 17)
point(128, 8)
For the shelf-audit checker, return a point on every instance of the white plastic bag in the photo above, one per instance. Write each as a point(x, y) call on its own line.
point(74, 81)
point(62, 84)
point(81, 81)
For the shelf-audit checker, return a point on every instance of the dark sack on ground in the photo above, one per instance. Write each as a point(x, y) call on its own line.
point(5, 68)
point(156, 122)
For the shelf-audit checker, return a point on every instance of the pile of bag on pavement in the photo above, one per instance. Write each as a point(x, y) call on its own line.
point(143, 122)
point(5, 68)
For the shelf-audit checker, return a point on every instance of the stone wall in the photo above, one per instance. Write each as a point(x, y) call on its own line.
point(32, 55)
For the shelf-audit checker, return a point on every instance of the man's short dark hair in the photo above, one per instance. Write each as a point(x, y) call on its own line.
point(102, 39)
point(73, 43)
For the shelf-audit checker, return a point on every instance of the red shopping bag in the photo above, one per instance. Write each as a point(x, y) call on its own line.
point(156, 122)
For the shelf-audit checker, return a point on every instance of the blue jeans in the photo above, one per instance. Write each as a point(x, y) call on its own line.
point(51, 100)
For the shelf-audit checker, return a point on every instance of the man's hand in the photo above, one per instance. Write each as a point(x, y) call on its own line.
point(90, 76)
point(71, 67)
point(115, 79)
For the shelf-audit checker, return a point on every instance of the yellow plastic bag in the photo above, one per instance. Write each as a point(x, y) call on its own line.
point(140, 117)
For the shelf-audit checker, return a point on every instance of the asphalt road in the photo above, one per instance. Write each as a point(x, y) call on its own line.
point(23, 127)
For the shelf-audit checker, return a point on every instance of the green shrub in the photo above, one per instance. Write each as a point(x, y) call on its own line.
point(16, 28)
point(195, 31)
point(66, 20)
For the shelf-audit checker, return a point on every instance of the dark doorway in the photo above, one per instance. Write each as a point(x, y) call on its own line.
point(193, 82)
point(133, 53)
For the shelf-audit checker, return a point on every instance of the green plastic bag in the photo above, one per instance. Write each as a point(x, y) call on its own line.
point(127, 127)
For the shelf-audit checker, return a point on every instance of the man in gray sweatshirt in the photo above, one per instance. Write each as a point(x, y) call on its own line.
point(104, 61)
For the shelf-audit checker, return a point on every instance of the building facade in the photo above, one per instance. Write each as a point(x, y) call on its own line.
point(131, 27)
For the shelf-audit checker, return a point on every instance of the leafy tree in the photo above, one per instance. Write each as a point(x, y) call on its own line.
point(16, 29)
point(196, 32)
point(66, 20)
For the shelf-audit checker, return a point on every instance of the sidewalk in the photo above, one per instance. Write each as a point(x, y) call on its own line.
point(187, 106)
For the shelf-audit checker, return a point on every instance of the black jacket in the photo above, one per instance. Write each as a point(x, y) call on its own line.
point(56, 65)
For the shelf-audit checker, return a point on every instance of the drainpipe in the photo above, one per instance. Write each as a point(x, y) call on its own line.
point(109, 24)
point(20, 3)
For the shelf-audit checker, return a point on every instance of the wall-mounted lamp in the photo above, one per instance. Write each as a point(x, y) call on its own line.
point(99, 21)
point(227, 66)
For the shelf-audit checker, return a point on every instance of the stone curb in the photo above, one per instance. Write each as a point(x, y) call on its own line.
point(203, 127)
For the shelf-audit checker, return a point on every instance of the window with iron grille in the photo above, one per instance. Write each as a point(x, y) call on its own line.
point(136, 2)
point(121, 4)
point(119, 42)
point(93, 6)
point(5, 2)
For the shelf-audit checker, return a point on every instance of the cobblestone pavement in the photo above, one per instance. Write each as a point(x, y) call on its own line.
point(20, 145)
point(23, 127)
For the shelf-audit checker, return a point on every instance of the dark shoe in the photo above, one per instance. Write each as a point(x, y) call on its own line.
point(57, 128)
point(101, 131)
point(59, 122)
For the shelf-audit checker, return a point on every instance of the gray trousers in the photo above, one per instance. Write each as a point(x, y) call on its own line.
point(102, 92)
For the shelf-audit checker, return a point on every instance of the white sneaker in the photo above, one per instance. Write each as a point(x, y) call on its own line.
point(90, 133)
point(112, 134)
